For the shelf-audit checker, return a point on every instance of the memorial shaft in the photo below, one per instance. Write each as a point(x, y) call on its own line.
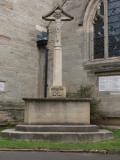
point(57, 90)
point(57, 61)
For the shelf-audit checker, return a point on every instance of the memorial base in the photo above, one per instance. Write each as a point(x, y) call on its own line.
point(59, 133)
point(62, 120)
point(57, 111)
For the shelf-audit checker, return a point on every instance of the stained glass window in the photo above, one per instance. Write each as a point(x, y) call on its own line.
point(99, 33)
point(114, 27)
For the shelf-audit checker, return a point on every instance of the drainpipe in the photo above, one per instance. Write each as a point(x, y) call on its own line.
point(42, 41)
point(46, 73)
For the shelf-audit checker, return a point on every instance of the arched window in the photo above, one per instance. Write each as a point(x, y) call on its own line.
point(107, 29)
point(102, 29)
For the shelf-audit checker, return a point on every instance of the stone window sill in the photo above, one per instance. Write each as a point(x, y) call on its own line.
point(103, 65)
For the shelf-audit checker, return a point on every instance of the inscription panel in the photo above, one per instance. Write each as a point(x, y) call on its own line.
point(109, 83)
point(57, 92)
point(2, 86)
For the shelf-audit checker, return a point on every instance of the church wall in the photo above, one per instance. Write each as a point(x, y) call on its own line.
point(73, 50)
point(19, 56)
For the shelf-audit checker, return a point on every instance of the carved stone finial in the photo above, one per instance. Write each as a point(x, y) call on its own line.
point(57, 13)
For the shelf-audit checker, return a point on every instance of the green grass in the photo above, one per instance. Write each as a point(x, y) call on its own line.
point(110, 145)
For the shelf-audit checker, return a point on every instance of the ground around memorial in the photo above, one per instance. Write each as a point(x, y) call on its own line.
point(104, 146)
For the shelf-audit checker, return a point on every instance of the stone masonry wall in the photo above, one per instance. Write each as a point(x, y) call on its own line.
point(19, 56)
point(22, 64)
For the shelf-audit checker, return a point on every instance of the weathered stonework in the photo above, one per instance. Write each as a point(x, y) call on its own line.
point(19, 56)
point(22, 63)
point(11, 112)
point(57, 111)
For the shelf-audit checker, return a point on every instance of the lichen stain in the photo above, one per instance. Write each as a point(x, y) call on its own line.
point(6, 4)
point(4, 39)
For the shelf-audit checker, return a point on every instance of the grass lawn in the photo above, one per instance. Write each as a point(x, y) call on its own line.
point(110, 145)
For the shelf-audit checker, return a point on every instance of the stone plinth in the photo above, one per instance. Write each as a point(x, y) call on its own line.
point(58, 120)
point(66, 137)
point(57, 111)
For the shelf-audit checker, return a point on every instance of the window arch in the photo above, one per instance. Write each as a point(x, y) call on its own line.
point(99, 32)
point(102, 29)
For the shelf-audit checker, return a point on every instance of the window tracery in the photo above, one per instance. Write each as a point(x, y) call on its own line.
point(107, 29)
point(114, 27)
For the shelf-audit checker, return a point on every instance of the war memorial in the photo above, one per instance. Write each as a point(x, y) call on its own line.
point(57, 117)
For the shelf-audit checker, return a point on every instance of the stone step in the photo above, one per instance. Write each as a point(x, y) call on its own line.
point(70, 137)
point(57, 128)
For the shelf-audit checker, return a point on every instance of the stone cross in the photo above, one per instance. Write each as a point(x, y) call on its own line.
point(57, 15)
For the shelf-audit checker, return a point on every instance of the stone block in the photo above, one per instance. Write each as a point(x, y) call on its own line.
point(57, 111)
point(57, 128)
point(67, 137)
